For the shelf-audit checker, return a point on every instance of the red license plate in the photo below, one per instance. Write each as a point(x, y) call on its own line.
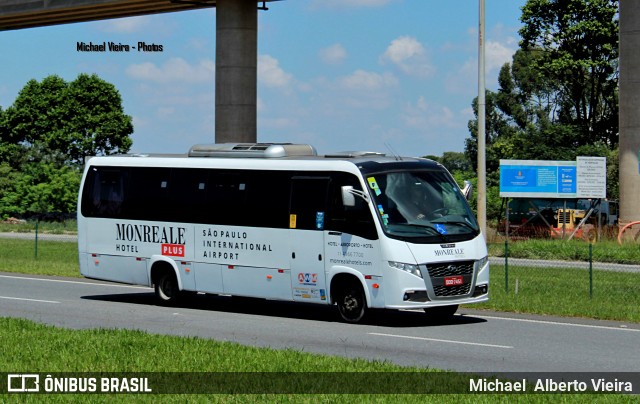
point(453, 281)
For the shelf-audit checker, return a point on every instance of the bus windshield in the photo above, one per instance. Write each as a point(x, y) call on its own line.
point(424, 206)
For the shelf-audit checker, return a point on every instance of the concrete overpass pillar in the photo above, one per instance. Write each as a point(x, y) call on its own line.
point(236, 71)
point(629, 118)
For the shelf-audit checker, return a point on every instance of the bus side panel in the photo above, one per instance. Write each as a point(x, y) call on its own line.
point(307, 266)
point(208, 277)
point(347, 253)
point(113, 268)
point(257, 282)
point(187, 275)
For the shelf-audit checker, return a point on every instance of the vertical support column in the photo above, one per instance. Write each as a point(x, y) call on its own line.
point(629, 118)
point(236, 71)
point(482, 159)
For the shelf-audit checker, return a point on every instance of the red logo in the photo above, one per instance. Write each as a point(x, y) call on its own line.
point(453, 281)
point(173, 250)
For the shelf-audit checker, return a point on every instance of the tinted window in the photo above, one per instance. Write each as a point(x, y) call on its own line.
point(227, 197)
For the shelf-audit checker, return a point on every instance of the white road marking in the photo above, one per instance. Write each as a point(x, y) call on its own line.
point(525, 320)
point(75, 282)
point(28, 300)
point(441, 340)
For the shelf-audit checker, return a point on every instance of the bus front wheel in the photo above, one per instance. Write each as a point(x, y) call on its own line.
point(351, 302)
point(166, 287)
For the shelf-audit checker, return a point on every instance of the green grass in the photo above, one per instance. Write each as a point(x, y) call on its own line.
point(565, 292)
point(54, 257)
point(34, 348)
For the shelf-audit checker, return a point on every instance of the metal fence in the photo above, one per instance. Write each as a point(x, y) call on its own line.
point(39, 232)
point(598, 280)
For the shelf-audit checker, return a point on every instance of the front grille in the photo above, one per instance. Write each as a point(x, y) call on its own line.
point(450, 269)
point(439, 272)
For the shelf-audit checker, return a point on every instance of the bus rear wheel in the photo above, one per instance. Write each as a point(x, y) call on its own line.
point(351, 302)
point(166, 287)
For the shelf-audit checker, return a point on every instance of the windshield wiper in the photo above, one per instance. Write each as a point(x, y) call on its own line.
point(458, 222)
point(426, 226)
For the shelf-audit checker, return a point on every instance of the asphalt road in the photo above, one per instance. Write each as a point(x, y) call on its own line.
point(475, 341)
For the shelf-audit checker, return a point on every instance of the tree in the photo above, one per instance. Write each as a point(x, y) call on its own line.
point(45, 135)
point(577, 42)
point(70, 120)
point(38, 188)
point(558, 97)
point(456, 162)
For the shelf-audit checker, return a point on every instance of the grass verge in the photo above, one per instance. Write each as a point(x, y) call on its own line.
point(53, 257)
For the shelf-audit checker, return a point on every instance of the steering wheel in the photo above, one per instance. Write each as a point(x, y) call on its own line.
point(440, 212)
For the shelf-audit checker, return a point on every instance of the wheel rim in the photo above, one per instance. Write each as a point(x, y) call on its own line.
point(351, 306)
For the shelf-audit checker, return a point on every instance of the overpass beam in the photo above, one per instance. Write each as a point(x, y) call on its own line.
point(236, 71)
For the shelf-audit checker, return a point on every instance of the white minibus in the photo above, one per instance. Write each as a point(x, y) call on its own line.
point(358, 230)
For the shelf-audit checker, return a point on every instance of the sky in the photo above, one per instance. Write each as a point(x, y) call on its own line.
point(341, 75)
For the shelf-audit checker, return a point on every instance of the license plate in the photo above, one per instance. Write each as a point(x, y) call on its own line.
point(453, 281)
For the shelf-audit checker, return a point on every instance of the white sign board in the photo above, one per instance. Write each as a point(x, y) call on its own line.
point(592, 177)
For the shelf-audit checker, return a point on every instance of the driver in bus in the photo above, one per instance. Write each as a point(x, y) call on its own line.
point(410, 197)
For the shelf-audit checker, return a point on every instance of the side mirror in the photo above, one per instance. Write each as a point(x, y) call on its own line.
point(467, 191)
point(348, 197)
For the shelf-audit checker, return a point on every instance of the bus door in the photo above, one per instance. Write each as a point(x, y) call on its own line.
point(307, 214)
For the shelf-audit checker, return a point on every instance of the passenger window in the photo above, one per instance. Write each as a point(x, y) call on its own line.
point(105, 194)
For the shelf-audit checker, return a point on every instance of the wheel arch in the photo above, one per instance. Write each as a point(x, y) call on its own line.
point(160, 265)
point(344, 275)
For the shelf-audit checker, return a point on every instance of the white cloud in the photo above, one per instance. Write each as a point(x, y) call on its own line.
point(333, 54)
point(408, 54)
point(496, 55)
point(364, 80)
point(426, 116)
point(464, 79)
point(124, 25)
point(271, 74)
point(348, 3)
point(173, 70)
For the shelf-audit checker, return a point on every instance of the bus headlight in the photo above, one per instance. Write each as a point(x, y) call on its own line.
point(411, 268)
point(482, 262)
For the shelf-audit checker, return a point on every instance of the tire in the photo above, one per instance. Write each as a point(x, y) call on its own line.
point(167, 290)
point(351, 301)
point(441, 312)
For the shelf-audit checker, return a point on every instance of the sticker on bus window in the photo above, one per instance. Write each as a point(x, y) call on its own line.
point(319, 220)
point(440, 227)
point(292, 221)
point(373, 184)
point(384, 216)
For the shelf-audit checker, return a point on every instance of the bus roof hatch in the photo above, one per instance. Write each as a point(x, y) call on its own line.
point(256, 150)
